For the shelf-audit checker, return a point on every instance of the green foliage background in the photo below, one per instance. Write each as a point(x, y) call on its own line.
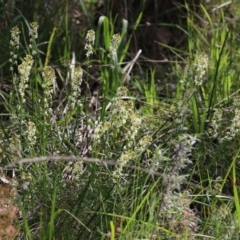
point(141, 144)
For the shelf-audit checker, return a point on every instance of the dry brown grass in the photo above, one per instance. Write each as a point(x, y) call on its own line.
point(8, 209)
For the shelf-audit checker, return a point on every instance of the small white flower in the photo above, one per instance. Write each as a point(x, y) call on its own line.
point(90, 42)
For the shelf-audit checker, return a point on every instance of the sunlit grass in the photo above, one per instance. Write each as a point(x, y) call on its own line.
point(120, 162)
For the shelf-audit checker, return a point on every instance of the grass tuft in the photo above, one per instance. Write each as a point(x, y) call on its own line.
point(97, 146)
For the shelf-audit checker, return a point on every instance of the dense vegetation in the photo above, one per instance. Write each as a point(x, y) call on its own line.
point(119, 122)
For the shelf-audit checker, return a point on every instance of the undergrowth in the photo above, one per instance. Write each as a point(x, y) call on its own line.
point(118, 161)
